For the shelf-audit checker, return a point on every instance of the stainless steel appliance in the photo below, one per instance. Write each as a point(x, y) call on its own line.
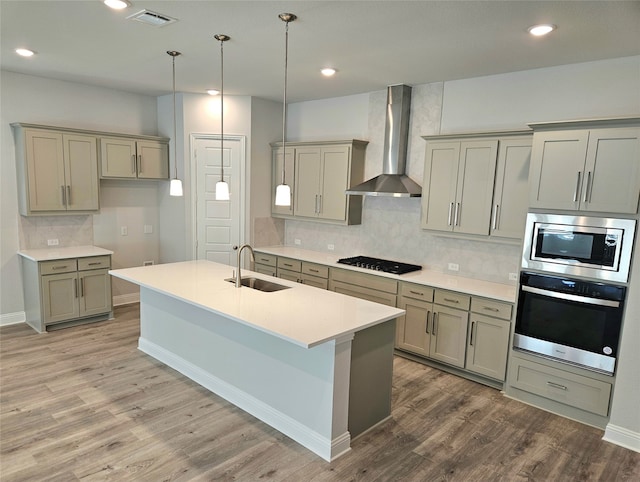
point(378, 264)
point(579, 246)
point(575, 321)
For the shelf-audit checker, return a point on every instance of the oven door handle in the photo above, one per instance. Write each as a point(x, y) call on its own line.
point(568, 297)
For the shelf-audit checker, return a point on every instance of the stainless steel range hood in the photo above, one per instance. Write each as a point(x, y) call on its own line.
point(393, 181)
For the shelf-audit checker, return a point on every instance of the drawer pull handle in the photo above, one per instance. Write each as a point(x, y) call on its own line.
point(264, 259)
point(556, 385)
point(416, 293)
point(97, 263)
point(288, 265)
point(488, 308)
point(59, 267)
point(313, 270)
point(451, 300)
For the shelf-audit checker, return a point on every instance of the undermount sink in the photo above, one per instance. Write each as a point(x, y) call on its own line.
point(259, 284)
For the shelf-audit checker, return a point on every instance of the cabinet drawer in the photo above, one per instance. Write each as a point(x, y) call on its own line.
point(58, 266)
point(363, 293)
point(94, 262)
point(317, 282)
point(263, 269)
point(290, 264)
point(491, 308)
point(417, 292)
point(266, 259)
point(362, 279)
point(289, 275)
point(315, 270)
point(454, 300)
point(561, 386)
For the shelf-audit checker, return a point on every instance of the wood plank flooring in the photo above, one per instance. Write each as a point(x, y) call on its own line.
point(84, 404)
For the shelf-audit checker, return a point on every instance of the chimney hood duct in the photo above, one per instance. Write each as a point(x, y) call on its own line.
point(393, 182)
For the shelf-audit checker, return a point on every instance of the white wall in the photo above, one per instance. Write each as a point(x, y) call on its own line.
point(37, 100)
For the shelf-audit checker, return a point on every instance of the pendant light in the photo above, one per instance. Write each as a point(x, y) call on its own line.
point(283, 191)
point(222, 188)
point(175, 188)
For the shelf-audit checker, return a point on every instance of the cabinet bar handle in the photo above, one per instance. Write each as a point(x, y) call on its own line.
point(556, 385)
point(313, 270)
point(97, 263)
point(416, 293)
point(587, 188)
point(575, 193)
point(455, 217)
point(288, 265)
point(427, 330)
point(133, 164)
point(451, 300)
point(488, 308)
point(319, 203)
point(471, 334)
point(59, 267)
point(495, 217)
point(64, 196)
point(75, 288)
point(449, 217)
point(69, 195)
point(82, 287)
point(434, 323)
point(140, 163)
point(264, 259)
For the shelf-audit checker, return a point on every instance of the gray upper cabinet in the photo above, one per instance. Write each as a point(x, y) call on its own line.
point(458, 186)
point(57, 171)
point(319, 174)
point(595, 169)
point(131, 158)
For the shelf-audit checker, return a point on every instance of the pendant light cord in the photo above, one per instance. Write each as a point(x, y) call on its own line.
point(175, 130)
point(284, 103)
point(221, 110)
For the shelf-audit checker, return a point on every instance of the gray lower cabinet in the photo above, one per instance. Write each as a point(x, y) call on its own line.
point(488, 341)
point(303, 272)
point(66, 290)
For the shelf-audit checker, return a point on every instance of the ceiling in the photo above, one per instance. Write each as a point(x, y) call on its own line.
point(372, 44)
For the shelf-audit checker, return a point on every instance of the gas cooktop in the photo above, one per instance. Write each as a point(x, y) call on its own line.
point(378, 264)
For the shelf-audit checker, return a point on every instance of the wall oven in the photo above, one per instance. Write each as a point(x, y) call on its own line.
point(579, 246)
point(571, 320)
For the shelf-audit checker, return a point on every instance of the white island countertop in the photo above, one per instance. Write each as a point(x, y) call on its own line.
point(48, 254)
point(302, 315)
point(428, 277)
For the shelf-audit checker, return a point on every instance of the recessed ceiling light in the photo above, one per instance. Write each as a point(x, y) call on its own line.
point(25, 52)
point(213, 91)
point(117, 4)
point(540, 30)
point(328, 72)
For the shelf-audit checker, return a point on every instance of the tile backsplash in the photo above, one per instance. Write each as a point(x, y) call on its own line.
point(391, 229)
point(35, 231)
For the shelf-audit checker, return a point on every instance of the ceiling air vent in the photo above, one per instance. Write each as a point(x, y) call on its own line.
point(152, 18)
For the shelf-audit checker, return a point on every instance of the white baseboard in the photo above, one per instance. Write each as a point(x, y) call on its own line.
point(327, 449)
point(623, 437)
point(126, 299)
point(13, 318)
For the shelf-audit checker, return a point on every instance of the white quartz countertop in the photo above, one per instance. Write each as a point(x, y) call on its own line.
point(47, 254)
point(435, 279)
point(303, 315)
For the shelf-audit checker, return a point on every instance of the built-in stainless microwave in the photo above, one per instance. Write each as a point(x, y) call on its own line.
point(579, 245)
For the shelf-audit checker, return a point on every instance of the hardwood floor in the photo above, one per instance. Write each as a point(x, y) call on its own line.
point(84, 404)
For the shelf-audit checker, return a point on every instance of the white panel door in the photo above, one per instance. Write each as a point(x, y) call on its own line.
point(218, 223)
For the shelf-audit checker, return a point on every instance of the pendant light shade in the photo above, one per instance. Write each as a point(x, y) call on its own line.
point(283, 190)
point(175, 188)
point(222, 188)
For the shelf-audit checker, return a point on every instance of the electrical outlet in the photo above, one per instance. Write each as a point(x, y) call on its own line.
point(330, 247)
point(513, 276)
point(124, 231)
point(52, 242)
point(453, 267)
point(147, 263)
point(297, 242)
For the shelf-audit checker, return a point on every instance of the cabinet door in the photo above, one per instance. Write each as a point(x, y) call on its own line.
point(488, 346)
point(277, 160)
point(612, 170)
point(289, 275)
point(153, 160)
point(81, 172)
point(60, 297)
point(449, 335)
point(557, 164)
point(412, 329)
point(307, 175)
point(118, 157)
point(334, 180)
point(474, 192)
point(95, 292)
point(511, 192)
point(45, 170)
point(439, 185)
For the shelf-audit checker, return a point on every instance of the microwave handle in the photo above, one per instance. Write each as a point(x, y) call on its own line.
point(569, 297)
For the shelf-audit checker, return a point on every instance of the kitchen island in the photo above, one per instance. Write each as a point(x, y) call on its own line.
point(314, 364)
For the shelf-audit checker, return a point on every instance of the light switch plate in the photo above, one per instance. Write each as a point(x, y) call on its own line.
point(52, 242)
point(454, 267)
point(297, 242)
